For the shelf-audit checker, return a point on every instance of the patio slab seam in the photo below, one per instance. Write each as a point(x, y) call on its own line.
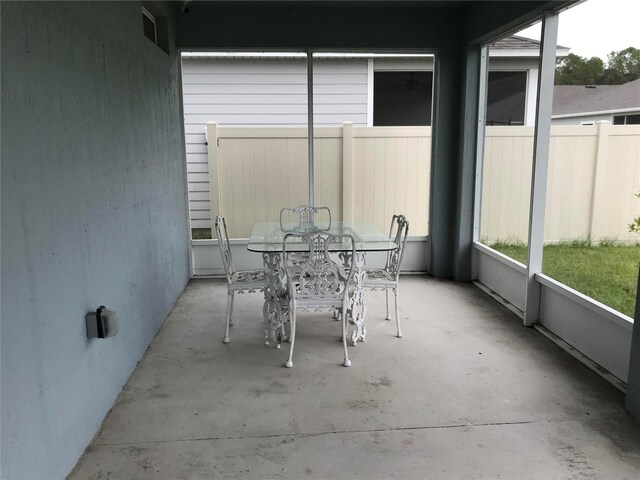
point(357, 431)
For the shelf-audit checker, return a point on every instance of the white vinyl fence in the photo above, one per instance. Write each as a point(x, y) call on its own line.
point(594, 172)
point(362, 173)
point(369, 173)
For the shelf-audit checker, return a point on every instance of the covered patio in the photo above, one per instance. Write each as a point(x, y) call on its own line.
point(95, 211)
point(466, 393)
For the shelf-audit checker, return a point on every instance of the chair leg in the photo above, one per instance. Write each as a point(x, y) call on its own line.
point(399, 334)
point(386, 294)
point(230, 297)
point(283, 332)
point(292, 338)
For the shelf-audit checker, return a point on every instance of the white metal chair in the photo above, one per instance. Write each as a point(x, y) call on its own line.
point(237, 280)
point(302, 219)
point(305, 218)
point(387, 278)
point(319, 282)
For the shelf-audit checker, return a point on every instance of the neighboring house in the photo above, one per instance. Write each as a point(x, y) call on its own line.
point(366, 89)
point(237, 89)
point(588, 104)
point(513, 80)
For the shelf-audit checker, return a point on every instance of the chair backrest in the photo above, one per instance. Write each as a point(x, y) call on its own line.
point(318, 277)
point(305, 218)
point(398, 232)
point(225, 246)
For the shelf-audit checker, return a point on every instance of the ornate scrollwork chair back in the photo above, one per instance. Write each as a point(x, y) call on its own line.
point(225, 247)
point(237, 280)
point(305, 218)
point(398, 232)
point(387, 278)
point(318, 282)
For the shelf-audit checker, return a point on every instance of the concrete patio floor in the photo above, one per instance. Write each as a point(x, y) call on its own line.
point(467, 393)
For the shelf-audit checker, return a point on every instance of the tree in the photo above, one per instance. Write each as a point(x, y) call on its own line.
point(577, 70)
point(622, 67)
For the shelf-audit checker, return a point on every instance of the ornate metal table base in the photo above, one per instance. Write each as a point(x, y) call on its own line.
point(276, 301)
point(357, 309)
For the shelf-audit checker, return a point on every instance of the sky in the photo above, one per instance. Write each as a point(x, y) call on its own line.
point(596, 27)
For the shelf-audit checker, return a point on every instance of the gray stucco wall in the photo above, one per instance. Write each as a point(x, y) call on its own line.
point(93, 212)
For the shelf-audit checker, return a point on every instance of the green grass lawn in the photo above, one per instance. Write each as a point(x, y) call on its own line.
point(606, 273)
point(201, 234)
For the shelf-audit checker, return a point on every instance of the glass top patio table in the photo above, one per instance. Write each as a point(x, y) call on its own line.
point(268, 237)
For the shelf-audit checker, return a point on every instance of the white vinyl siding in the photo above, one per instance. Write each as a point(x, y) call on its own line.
point(259, 92)
point(273, 92)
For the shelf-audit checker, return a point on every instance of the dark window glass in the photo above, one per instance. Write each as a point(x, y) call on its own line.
point(633, 120)
point(506, 97)
point(618, 120)
point(149, 28)
point(402, 98)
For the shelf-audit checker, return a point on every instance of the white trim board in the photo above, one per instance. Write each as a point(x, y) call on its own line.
point(600, 112)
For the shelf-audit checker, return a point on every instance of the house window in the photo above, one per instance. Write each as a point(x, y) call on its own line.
point(149, 26)
point(626, 119)
point(402, 98)
point(506, 97)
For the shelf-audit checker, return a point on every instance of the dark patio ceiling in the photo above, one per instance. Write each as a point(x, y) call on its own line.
point(352, 24)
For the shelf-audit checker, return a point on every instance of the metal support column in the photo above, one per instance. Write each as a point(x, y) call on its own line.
point(482, 115)
point(542, 135)
point(632, 400)
point(466, 182)
point(310, 122)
